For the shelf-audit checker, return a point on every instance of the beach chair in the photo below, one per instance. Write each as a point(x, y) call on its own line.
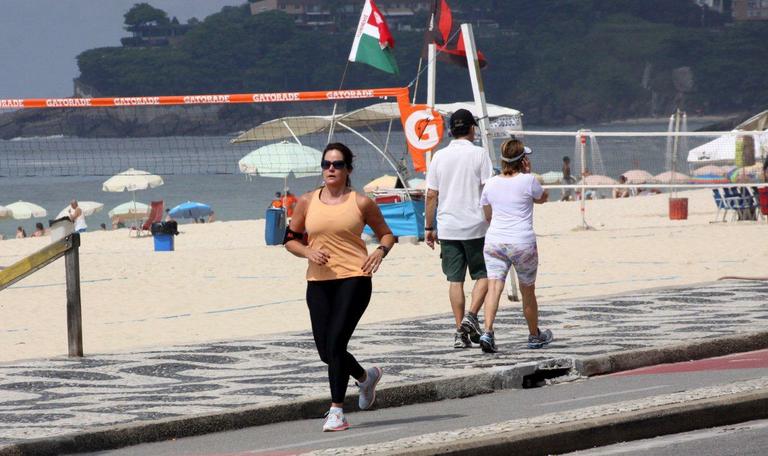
point(155, 215)
point(760, 196)
point(721, 205)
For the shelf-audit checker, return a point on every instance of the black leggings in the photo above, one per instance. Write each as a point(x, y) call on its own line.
point(335, 307)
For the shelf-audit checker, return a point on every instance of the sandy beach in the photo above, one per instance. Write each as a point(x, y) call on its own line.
point(223, 283)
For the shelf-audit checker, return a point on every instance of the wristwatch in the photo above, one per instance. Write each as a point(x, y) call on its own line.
point(384, 249)
point(429, 228)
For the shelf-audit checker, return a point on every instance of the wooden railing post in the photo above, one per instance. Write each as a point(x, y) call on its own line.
point(74, 314)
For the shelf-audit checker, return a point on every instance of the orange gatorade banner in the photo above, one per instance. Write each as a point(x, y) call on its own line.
point(278, 97)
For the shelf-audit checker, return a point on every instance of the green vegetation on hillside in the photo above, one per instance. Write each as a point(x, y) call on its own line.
point(556, 60)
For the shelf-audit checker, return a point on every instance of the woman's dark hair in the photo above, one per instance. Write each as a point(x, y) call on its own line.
point(346, 152)
point(512, 148)
point(39, 226)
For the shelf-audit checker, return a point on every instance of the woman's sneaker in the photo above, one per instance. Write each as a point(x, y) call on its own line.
point(541, 340)
point(335, 421)
point(488, 342)
point(471, 326)
point(461, 340)
point(368, 388)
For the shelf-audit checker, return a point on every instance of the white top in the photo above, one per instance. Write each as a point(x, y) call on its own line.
point(80, 221)
point(511, 200)
point(458, 173)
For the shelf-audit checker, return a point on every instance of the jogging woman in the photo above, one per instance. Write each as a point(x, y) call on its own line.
point(507, 201)
point(339, 273)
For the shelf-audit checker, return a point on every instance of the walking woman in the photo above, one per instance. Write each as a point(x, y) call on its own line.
point(507, 201)
point(339, 273)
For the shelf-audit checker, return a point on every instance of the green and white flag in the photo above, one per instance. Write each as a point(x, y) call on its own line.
point(373, 43)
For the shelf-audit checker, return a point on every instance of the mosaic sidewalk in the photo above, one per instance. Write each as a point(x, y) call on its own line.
point(59, 396)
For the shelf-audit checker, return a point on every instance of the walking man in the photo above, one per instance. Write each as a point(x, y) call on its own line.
point(455, 179)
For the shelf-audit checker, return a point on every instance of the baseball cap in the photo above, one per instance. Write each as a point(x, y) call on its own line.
point(462, 118)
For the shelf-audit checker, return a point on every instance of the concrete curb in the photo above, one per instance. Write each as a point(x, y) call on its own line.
point(471, 384)
point(608, 430)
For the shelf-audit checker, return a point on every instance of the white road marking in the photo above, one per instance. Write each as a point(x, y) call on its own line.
point(336, 437)
point(617, 393)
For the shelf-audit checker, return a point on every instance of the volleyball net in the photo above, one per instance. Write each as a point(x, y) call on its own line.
point(248, 133)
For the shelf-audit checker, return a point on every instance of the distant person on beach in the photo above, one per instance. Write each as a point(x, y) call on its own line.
point(507, 202)
point(103, 227)
point(211, 217)
point(339, 273)
point(289, 203)
point(455, 178)
point(568, 179)
point(39, 230)
point(20, 233)
point(277, 203)
point(76, 215)
point(621, 192)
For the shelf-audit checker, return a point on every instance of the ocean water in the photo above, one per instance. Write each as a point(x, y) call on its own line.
point(52, 171)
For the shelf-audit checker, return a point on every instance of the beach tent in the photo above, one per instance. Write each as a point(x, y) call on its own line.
point(723, 149)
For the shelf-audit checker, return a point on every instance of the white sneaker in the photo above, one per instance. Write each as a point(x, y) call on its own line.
point(335, 422)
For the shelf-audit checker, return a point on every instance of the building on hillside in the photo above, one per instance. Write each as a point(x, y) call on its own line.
point(721, 6)
point(153, 34)
point(316, 14)
point(750, 10)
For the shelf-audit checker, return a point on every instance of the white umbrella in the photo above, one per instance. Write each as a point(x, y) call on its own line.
point(131, 180)
point(282, 159)
point(88, 207)
point(637, 176)
point(383, 182)
point(24, 210)
point(552, 177)
point(672, 177)
point(598, 179)
point(130, 211)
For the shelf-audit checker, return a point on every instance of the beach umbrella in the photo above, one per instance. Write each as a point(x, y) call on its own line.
point(191, 209)
point(382, 182)
point(746, 174)
point(672, 177)
point(538, 177)
point(280, 160)
point(598, 179)
point(417, 183)
point(24, 210)
point(710, 170)
point(88, 207)
point(552, 177)
point(131, 180)
point(130, 211)
point(637, 176)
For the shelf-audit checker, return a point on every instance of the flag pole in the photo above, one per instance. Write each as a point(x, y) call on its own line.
point(335, 105)
point(477, 89)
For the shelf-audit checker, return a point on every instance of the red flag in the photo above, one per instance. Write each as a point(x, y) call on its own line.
point(449, 39)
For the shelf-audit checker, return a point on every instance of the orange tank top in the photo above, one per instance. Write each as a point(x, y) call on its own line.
point(337, 229)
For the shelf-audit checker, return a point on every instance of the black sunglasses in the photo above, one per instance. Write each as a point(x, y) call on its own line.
point(337, 164)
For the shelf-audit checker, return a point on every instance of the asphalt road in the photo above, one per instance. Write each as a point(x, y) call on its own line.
point(394, 423)
point(744, 439)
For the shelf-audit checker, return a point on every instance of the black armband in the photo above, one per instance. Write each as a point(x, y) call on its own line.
point(291, 235)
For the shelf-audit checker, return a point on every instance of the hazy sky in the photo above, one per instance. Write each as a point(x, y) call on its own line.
point(39, 39)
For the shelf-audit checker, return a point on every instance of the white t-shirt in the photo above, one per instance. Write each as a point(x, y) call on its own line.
point(80, 221)
point(511, 199)
point(458, 173)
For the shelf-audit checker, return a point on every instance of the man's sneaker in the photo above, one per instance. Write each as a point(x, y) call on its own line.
point(461, 340)
point(488, 342)
point(471, 326)
point(335, 422)
point(368, 388)
point(541, 340)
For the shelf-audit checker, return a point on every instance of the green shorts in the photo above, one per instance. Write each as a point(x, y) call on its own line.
point(458, 255)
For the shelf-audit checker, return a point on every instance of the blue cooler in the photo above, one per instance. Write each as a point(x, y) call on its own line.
point(163, 242)
point(274, 229)
point(163, 233)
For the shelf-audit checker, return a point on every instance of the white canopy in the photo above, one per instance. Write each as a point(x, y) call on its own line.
point(723, 149)
point(295, 126)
